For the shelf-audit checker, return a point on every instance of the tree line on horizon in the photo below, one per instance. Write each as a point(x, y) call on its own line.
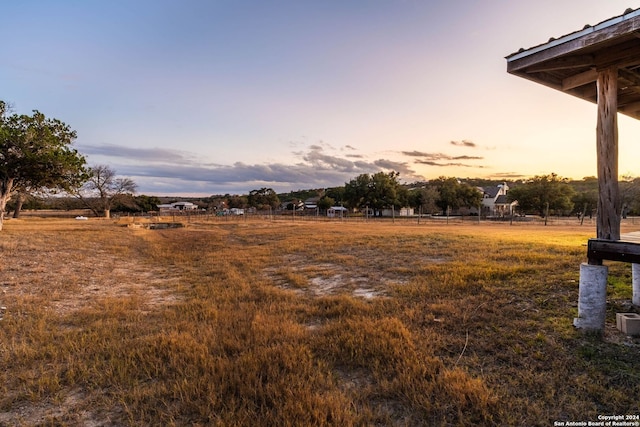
point(539, 195)
point(37, 161)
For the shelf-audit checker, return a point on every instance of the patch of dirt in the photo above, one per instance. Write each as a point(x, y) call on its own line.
point(353, 379)
point(613, 335)
point(332, 279)
point(59, 274)
point(69, 411)
point(337, 283)
point(68, 282)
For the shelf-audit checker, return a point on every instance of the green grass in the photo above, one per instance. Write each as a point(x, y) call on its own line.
point(261, 323)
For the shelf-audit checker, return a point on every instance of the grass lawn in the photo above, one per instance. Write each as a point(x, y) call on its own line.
point(321, 323)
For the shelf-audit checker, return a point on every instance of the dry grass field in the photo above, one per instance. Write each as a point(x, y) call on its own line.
point(307, 323)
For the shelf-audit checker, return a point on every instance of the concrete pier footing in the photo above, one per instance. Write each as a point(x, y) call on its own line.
point(592, 297)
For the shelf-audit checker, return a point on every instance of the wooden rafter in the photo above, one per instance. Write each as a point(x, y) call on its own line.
point(562, 63)
point(580, 79)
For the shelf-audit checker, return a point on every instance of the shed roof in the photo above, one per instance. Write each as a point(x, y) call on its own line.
point(570, 63)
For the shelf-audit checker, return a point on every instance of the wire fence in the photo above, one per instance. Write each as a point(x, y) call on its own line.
point(291, 216)
point(297, 216)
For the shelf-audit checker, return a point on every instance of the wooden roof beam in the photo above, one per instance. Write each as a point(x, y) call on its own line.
point(542, 78)
point(623, 55)
point(579, 79)
point(630, 76)
point(563, 63)
point(630, 109)
point(627, 99)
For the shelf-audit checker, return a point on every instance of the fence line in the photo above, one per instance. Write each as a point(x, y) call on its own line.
point(400, 220)
point(188, 216)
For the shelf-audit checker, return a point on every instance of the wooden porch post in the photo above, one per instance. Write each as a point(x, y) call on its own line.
point(608, 224)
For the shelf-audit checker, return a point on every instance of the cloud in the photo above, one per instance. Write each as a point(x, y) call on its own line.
point(172, 172)
point(402, 167)
point(317, 159)
point(467, 158)
point(464, 143)
point(147, 154)
point(416, 154)
point(509, 175)
point(432, 163)
point(437, 156)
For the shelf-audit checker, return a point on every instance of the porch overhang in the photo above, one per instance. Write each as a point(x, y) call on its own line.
point(571, 63)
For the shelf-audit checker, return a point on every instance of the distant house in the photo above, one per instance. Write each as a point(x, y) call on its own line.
point(337, 211)
point(311, 203)
point(495, 202)
point(177, 207)
point(289, 206)
point(166, 208)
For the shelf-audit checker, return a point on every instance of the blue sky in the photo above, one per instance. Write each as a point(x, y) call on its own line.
point(212, 97)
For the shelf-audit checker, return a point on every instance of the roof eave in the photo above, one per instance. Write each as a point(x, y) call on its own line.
point(588, 30)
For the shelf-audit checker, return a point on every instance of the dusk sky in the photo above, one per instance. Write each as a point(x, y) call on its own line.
point(224, 96)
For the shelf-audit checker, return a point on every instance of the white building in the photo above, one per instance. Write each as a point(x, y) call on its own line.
point(177, 207)
point(337, 211)
point(495, 202)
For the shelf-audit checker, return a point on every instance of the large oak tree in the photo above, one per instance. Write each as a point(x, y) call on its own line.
point(36, 154)
point(542, 194)
point(378, 191)
point(455, 194)
point(263, 199)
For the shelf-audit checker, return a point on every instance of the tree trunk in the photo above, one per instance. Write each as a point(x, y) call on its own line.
point(608, 221)
point(546, 213)
point(5, 194)
point(584, 212)
point(107, 213)
point(19, 202)
point(3, 203)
